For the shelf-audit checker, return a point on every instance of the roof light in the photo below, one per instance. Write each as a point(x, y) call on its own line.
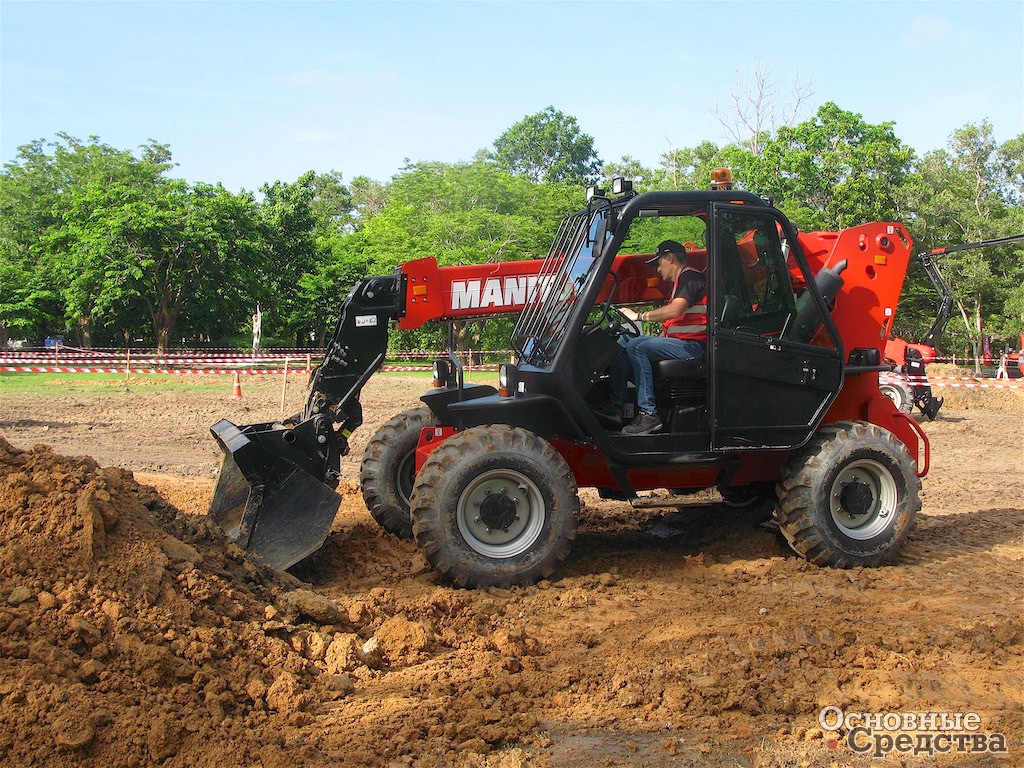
point(721, 178)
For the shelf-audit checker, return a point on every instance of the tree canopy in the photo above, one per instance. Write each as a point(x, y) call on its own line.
point(548, 147)
point(107, 245)
point(968, 192)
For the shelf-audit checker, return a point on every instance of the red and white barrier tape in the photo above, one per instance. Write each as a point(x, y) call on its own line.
point(989, 384)
point(964, 381)
point(214, 371)
point(273, 354)
point(171, 359)
point(144, 371)
point(142, 360)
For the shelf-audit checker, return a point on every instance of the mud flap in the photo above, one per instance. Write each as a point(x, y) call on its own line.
point(266, 502)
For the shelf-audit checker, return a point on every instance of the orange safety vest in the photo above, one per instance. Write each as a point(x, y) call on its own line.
point(693, 323)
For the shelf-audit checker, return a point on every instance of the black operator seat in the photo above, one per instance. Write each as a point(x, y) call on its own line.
point(684, 380)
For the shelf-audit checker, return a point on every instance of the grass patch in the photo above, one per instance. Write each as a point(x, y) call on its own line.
point(56, 384)
point(60, 384)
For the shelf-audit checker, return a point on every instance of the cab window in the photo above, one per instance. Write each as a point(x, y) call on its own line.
point(756, 291)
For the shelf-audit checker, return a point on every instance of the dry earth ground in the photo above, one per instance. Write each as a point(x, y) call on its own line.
point(131, 634)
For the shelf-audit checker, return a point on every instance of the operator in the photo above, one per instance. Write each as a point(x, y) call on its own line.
point(684, 324)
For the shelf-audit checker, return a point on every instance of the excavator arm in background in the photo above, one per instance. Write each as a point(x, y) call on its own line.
point(945, 307)
point(927, 260)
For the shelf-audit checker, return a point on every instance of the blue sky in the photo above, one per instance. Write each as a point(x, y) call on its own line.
point(250, 92)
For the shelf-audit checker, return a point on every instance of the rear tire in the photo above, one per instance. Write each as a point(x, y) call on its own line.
point(849, 498)
point(901, 394)
point(388, 469)
point(495, 506)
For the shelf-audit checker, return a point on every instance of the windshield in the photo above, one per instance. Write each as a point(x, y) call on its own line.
point(564, 277)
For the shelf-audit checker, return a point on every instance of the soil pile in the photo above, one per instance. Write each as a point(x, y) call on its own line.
point(133, 635)
point(961, 390)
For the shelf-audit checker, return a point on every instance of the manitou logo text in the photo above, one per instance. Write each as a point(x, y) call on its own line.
point(495, 292)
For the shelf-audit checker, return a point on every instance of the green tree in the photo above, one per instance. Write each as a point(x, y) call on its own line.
point(968, 192)
point(124, 245)
point(548, 147)
point(305, 225)
point(628, 167)
point(29, 303)
point(220, 259)
point(690, 167)
point(832, 171)
point(368, 198)
point(323, 289)
point(287, 223)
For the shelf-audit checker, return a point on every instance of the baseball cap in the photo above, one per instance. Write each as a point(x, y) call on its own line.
point(668, 246)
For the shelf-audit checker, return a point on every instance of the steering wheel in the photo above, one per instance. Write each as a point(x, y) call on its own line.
point(613, 321)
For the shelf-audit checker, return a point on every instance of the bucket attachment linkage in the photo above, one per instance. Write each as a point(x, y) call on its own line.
point(270, 495)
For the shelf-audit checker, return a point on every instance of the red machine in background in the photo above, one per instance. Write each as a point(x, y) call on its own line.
point(907, 385)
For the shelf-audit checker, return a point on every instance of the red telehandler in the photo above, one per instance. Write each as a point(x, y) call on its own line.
point(785, 408)
point(908, 385)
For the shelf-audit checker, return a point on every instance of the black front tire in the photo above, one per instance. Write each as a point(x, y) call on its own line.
point(495, 506)
point(388, 469)
point(849, 497)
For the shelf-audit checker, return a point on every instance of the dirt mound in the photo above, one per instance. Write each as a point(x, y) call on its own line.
point(1008, 400)
point(665, 638)
point(961, 390)
point(132, 635)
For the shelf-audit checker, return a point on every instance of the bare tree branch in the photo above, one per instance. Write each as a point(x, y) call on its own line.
point(754, 108)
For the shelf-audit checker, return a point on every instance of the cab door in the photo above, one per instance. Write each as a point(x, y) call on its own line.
point(776, 359)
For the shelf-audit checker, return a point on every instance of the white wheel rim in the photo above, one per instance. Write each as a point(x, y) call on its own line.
point(894, 394)
point(863, 499)
point(501, 513)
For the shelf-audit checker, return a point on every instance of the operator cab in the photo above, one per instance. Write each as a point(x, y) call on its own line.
point(773, 357)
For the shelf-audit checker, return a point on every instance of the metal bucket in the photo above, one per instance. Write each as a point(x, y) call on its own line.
point(264, 500)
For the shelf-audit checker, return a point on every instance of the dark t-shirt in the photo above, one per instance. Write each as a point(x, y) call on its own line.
point(691, 285)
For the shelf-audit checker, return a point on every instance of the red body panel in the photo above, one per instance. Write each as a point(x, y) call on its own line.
point(896, 351)
point(878, 255)
point(430, 438)
point(476, 290)
point(444, 293)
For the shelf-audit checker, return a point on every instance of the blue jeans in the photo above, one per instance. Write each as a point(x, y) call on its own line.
point(640, 353)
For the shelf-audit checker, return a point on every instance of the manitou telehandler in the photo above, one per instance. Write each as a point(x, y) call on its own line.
point(784, 408)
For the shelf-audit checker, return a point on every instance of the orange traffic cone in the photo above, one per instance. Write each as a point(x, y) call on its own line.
point(236, 390)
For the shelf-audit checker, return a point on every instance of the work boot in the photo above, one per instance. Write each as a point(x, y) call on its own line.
point(643, 424)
